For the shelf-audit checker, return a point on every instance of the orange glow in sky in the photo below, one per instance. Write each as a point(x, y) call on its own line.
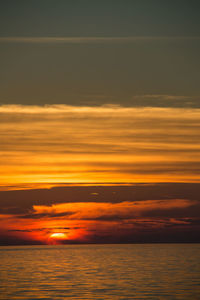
point(98, 145)
point(60, 145)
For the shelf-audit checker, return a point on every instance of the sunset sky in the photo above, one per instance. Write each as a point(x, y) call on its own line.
point(99, 121)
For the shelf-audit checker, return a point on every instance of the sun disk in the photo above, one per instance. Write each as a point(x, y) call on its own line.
point(58, 235)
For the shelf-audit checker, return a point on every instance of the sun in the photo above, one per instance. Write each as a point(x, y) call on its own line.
point(58, 235)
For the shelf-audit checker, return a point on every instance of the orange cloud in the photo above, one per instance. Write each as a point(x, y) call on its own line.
point(98, 211)
point(59, 143)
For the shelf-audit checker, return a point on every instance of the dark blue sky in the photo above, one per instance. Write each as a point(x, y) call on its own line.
point(99, 18)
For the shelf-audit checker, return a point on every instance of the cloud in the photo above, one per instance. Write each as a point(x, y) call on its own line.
point(162, 100)
point(20, 230)
point(92, 222)
point(44, 215)
point(21, 202)
point(117, 211)
point(82, 40)
point(108, 144)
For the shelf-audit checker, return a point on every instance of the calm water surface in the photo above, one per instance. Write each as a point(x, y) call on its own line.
point(159, 271)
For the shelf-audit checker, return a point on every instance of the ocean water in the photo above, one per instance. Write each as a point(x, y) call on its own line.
point(150, 271)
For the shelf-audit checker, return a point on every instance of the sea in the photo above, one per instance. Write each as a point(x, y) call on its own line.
point(132, 271)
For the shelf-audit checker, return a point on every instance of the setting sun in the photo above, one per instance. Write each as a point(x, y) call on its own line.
point(58, 235)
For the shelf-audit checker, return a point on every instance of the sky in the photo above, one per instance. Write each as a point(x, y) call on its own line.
point(99, 121)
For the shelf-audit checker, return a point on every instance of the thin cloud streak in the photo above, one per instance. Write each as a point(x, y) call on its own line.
point(82, 40)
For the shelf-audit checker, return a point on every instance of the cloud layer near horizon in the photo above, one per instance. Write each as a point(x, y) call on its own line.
point(101, 214)
point(60, 143)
